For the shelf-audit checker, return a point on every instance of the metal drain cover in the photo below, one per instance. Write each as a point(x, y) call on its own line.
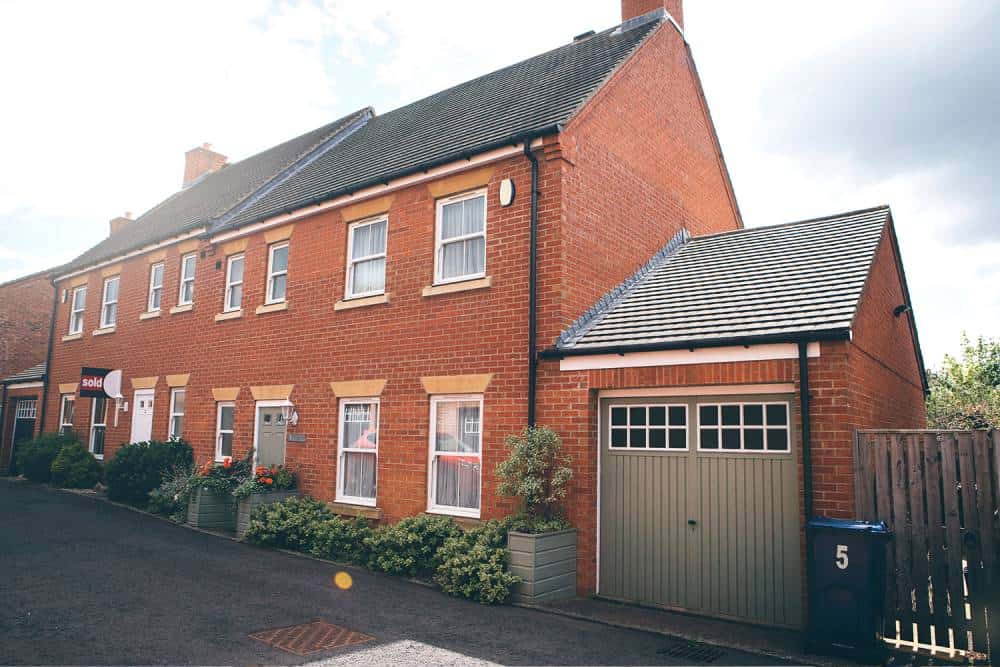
point(693, 651)
point(310, 638)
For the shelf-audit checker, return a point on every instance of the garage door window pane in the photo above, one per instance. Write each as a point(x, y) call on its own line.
point(655, 426)
point(777, 414)
point(748, 427)
point(708, 415)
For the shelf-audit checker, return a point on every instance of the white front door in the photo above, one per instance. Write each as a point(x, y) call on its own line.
point(142, 416)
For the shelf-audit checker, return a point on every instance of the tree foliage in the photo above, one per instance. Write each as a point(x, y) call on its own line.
point(537, 471)
point(965, 392)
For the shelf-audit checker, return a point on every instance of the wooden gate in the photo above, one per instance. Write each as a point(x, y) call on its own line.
point(938, 492)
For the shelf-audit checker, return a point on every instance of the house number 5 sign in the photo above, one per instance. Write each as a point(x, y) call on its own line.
point(841, 557)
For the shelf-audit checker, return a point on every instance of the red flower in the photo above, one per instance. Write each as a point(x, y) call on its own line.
point(268, 481)
point(227, 463)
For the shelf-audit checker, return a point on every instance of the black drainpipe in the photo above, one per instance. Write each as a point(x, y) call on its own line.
point(807, 481)
point(532, 285)
point(3, 422)
point(48, 357)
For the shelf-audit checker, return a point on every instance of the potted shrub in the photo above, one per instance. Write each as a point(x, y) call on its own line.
point(263, 487)
point(541, 542)
point(211, 504)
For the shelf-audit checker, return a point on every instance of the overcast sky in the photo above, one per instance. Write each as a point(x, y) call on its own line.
point(821, 107)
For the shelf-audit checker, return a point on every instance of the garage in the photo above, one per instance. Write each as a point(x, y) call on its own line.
point(699, 504)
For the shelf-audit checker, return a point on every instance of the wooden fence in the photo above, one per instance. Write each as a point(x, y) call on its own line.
point(938, 492)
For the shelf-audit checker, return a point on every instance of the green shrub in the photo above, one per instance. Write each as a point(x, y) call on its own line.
point(534, 525)
point(411, 546)
point(171, 498)
point(536, 471)
point(289, 523)
point(75, 468)
point(34, 458)
point(139, 468)
point(341, 540)
point(474, 565)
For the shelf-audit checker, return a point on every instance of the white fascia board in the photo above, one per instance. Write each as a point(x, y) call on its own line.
point(704, 355)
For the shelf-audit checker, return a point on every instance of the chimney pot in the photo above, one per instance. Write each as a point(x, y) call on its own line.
point(200, 161)
point(634, 8)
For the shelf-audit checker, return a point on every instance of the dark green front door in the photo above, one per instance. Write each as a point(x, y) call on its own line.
point(24, 427)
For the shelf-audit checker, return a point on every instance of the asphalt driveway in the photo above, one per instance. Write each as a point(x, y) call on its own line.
point(86, 582)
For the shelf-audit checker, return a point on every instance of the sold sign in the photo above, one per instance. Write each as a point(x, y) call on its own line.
point(92, 382)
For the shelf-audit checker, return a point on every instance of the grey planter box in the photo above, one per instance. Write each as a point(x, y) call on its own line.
point(212, 511)
point(245, 506)
point(546, 564)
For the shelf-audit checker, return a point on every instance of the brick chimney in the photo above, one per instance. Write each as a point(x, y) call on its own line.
point(634, 8)
point(116, 224)
point(200, 161)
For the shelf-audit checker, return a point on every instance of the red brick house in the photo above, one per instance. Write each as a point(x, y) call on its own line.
point(379, 303)
point(25, 322)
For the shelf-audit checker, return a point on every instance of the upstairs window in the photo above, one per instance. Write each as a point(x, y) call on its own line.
point(366, 242)
point(277, 272)
point(109, 304)
point(186, 296)
point(155, 287)
point(234, 283)
point(78, 304)
point(460, 249)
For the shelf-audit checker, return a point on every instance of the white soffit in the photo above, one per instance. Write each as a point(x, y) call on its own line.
point(707, 355)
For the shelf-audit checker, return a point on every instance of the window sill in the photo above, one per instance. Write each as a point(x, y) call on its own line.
point(362, 511)
point(461, 286)
point(186, 308)
point(347, 304)
point(104, 331)
point(231, 315)
point(70, 337)
point(99, 457)
point(459, 515)
point(149, 316)
point(466, 522)
point(272, 307)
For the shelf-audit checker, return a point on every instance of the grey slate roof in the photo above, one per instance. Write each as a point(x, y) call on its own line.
point(215, 194)
point(527, 99)
point(766, 282)
point(36, 372)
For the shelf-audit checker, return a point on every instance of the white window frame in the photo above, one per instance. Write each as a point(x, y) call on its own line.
point(105, 324)
point(181, 301)
point(230, 284)
point(668, 427)
point(63, 400)
point(94, 424)
point(272, 274)
point(155, 289)
point(26, 408)
point(439, 244)
point(342, 450)
point(219, 431)
point(349, 292)
point(76, 326)
point(173, 412)
point(432, 506)
point(787, 426)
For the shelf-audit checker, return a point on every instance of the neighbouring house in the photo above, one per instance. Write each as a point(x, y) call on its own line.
point(378, 303)
point(25, 322)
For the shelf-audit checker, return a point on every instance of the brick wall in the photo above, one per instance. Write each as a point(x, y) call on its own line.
point(25, 313)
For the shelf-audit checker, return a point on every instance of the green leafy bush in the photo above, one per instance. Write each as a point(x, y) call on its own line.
point(340, 539)
point(535, 525)
point(474, 564)
point(411, 546)
point(139, 468)
point(265, 480)
point(75, 468)
point(536, 471)
point(35, 458)
point(290, 523)
point(171, 498)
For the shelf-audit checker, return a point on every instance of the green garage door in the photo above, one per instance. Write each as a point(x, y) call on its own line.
point(700, 505)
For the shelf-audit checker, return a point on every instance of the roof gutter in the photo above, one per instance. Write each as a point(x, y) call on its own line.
point(805, 337)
